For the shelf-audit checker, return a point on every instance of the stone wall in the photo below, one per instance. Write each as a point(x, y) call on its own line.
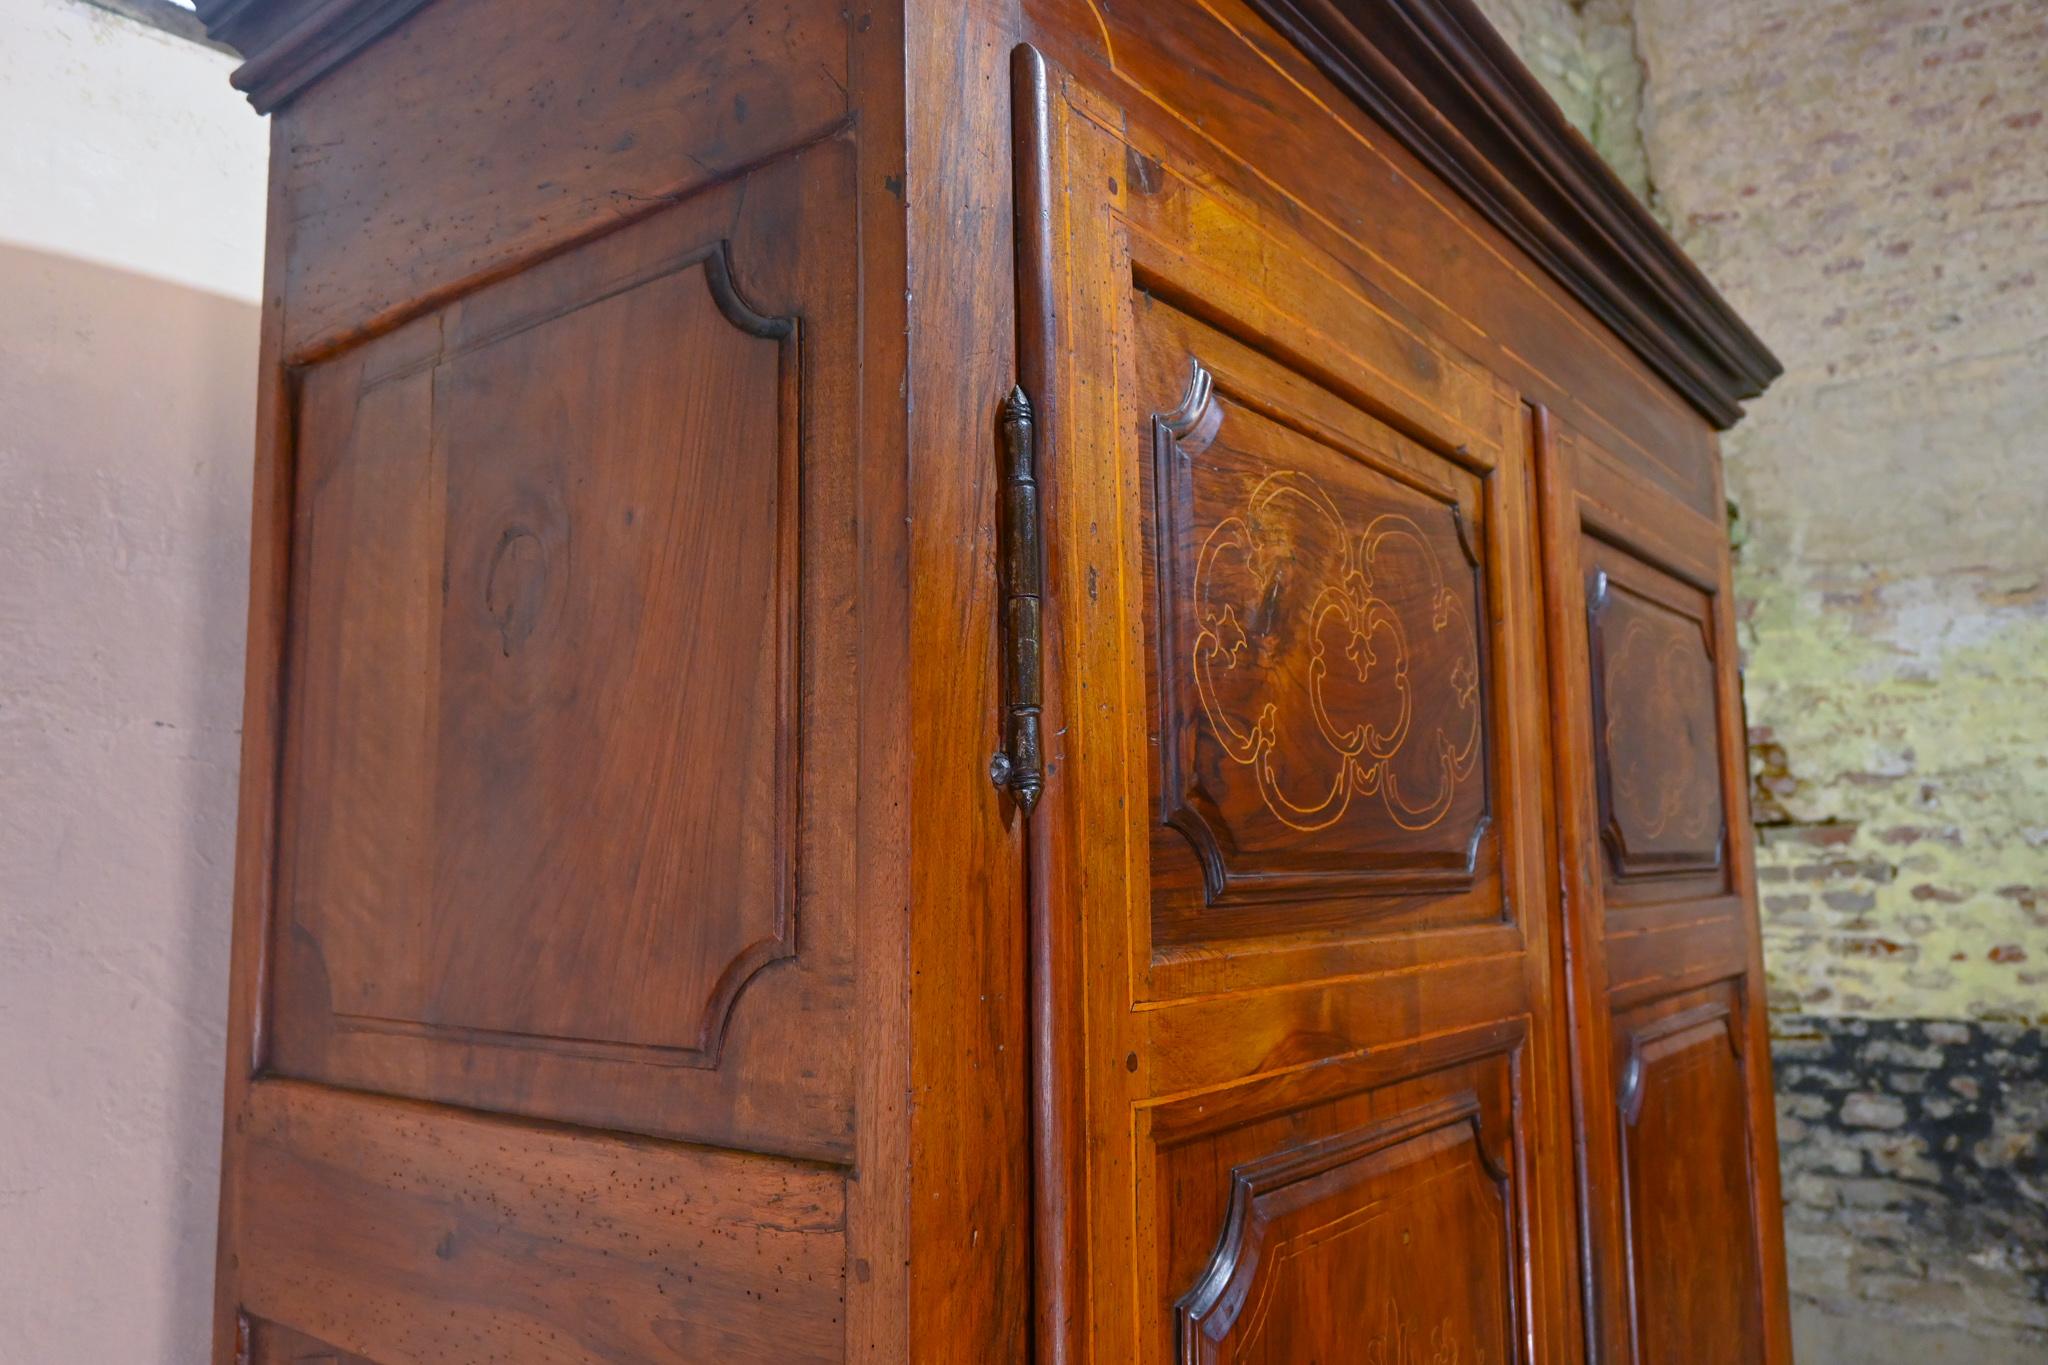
point(1914, 1173)
point(1584, 53)
point(1868, 182)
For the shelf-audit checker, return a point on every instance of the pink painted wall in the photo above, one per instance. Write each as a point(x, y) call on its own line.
point(130, 242)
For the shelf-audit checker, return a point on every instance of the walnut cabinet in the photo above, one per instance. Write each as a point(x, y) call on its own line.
point(993, 680)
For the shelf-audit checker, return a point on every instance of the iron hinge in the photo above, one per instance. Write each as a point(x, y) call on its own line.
point(1019, 768)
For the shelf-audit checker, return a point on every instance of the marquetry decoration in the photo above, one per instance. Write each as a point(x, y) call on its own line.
point(1321, 661)
point(1336, 1250)
point(1657, 761)
point(1374, 642)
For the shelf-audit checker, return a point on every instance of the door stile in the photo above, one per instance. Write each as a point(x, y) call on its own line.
point(1056, 1063)
point(1594, 1161)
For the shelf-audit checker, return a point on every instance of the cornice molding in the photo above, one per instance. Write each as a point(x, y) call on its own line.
point(1433, 72)
point(1442, 81)
point(288, 44)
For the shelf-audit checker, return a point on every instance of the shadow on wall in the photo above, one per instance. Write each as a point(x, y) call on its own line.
point(126, 424)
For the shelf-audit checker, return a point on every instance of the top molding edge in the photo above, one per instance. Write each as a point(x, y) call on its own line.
point(1433, 72)
point(286, 45)
point(1438, 76)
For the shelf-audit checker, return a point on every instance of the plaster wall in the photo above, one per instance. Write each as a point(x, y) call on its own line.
point(1867, 180)
point(131, 227)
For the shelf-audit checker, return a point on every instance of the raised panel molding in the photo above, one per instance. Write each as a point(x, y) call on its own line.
point(547, 843)
point(558, 573)
point(1694, 1289)
point(1321, 661)
point(1670, 1034)
point(1657, 763)
point(259, 1342)
point(1337, 1246)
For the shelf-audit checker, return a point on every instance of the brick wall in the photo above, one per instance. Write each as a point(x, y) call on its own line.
point(1868, 182)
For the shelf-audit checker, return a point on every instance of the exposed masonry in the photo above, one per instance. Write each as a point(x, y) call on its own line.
point(1583, 54)
point(1902, 1139)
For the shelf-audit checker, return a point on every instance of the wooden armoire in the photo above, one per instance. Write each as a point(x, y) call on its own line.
point(982, 680)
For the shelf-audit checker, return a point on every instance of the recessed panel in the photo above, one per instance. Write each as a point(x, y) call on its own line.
point(544, 816)
point(1325, 1233)
point(1320, 655)
point(1695, 1283)
point(544, 725)
point(1656, 732)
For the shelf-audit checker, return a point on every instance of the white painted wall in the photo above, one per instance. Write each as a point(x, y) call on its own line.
point(131, 222)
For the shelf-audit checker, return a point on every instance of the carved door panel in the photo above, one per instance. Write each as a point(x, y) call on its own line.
point(1679, 1179)
point(552, 980)
point(1301, 1093)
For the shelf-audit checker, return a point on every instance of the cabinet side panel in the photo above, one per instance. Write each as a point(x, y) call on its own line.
point(410, 1235)
point(558, 702)
point(549, 842)
point(477, 134)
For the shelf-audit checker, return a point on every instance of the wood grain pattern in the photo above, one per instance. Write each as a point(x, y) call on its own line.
point(421, 174)
point(416, 1236)
point(964, 1274)
point(502, 539)
point(545, 814)
point(1656, 742)
point(1695, 1290)
point(1383, 939)
point(634, 960)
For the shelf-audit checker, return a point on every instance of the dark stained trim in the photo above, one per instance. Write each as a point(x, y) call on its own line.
point(1439, 77)
point(286, 45)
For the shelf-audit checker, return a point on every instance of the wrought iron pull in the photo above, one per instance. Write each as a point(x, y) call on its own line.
point(1019, 769)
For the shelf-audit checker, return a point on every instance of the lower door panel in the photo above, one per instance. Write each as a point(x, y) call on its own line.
point(1338, 1220)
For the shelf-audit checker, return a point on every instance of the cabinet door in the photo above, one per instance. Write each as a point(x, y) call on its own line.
point(1679, 1183)
point(1301, 1094)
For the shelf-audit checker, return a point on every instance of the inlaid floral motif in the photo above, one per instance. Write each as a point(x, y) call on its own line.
point(1356, 635)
